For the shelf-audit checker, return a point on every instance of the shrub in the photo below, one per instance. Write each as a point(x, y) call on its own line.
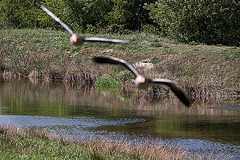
point(81, 15)
point(17, 13)
point(210, 22)
point(28, 14)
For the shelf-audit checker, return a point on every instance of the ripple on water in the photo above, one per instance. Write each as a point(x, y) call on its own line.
point(65, 123)
point(206, 148)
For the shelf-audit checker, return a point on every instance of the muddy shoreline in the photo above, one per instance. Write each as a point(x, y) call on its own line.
point(152, 94)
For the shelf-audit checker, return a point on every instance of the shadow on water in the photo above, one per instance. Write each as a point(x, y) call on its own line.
point(82, 111)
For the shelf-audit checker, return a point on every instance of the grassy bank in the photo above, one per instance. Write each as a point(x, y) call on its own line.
point(202, 71)
point(18, 143)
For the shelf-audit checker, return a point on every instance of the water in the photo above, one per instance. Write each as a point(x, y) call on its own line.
point(85, 111)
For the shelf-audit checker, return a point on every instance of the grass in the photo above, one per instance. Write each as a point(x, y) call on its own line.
point(203, 71)
point(19, 143)
point(108, 81)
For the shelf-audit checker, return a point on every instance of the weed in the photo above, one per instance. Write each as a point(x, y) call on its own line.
point(156, 44)
point(108, 81)
point(193, 43)
point(154, 60)
point(107, 88)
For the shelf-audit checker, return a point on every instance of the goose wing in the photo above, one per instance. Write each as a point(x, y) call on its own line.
point(113, 60)
point(96, 39)
point(177, 91)
point(57, 19)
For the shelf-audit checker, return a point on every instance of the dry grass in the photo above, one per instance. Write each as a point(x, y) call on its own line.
point(99, 147)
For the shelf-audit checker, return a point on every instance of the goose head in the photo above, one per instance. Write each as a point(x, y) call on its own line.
point(76, 40)
point(141, 82)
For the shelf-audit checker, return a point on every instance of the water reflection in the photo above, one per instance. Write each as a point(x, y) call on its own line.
point(236, 108)
point(83, 110)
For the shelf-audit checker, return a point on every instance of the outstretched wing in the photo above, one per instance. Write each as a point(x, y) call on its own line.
point(177, 91)
point(88, 39)
point(96, 39)
point(57, 19)
point(113, 60)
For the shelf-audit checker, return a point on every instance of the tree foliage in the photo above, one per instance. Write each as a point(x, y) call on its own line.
point(211, 22)
point(79, 14)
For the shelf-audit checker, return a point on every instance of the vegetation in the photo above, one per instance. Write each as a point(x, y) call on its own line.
point(81, 15)
point(108, 81)
point(39, 144)
point(209, 22)
point(201, 70)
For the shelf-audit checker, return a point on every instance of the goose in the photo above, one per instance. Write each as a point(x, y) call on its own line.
point(79, 40)
point(143, 82)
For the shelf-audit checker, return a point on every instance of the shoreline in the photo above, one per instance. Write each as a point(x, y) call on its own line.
point(203, 72)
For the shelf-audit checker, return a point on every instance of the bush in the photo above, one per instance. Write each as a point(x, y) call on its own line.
point(210, 22)
point(82, 15)
point(87, 14)
point(100, 14)
point(17, 13)
point(28, 14)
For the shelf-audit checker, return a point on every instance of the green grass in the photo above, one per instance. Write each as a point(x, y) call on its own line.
point(50, 54)
point(30, 148)
point(17, 143)
point(108, 81)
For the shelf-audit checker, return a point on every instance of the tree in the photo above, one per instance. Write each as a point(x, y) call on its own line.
point(210, 22)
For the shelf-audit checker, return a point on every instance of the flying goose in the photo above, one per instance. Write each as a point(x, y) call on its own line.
point(78, 40)
point(143, 82)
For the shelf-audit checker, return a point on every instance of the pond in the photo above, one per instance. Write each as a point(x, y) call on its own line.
point(83, 111)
